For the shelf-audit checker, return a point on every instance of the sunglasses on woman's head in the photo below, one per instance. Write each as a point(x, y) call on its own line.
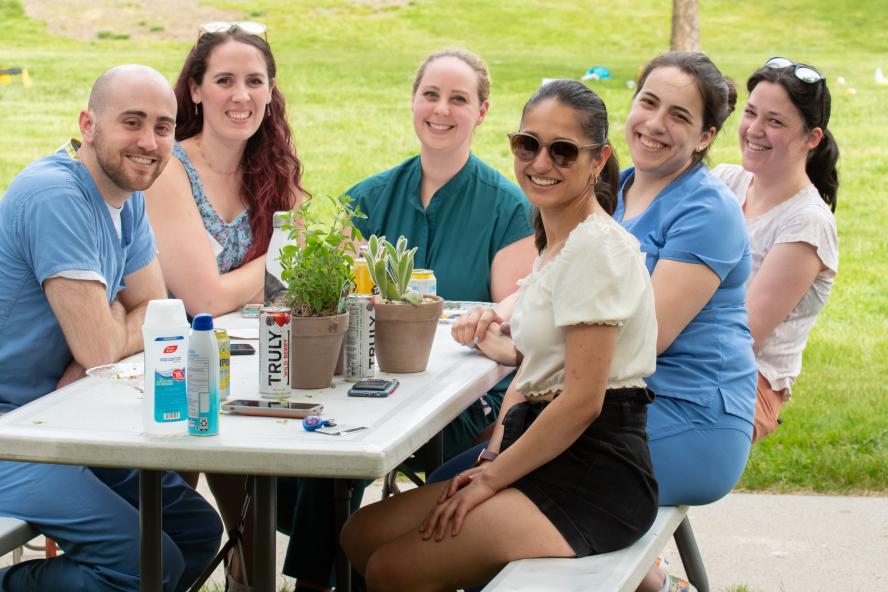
point(803, 72)
point(563, 153)
point(249, 27)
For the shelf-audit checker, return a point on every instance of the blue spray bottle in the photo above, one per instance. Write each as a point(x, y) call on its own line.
point(203, 378)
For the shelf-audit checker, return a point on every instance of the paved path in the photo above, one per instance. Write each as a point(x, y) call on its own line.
point(789, 543)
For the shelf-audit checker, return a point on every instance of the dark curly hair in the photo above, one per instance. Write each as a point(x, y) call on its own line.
point(271, 171)
point(814, 104)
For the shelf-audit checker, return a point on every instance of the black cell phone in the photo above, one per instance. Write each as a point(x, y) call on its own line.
point(242, 349)
point(374, 387)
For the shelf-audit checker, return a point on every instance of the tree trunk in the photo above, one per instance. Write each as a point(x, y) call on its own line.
point(685, 25)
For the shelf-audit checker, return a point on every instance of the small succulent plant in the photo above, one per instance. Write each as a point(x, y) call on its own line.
point(391, 267)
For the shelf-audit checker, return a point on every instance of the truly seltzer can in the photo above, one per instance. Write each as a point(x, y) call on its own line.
point(360, 339)
point(224, 364)
point(274, 351)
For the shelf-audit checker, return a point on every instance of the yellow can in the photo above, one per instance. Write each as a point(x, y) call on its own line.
point(424, 282)
point(224, 364)
point(363, 281)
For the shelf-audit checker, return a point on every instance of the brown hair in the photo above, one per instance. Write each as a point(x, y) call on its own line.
point(591, 113)
point(470, 59)
point(814, 103)
point(271, 171)
point(718, 93)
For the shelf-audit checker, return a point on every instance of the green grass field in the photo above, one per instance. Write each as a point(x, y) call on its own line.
point(346, 68)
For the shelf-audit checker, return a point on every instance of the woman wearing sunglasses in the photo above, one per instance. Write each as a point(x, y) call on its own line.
point(692, 233)
point(212, 209)
point(470, 225)
point(787, 188)
point(572, 476)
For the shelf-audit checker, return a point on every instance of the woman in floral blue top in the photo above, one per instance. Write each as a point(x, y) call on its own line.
point(212, 211)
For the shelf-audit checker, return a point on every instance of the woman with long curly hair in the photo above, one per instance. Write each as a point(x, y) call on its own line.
point(212, 208)
point(212, 212)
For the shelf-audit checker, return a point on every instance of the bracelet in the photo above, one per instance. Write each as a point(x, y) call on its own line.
point(519, 357)
point(486, 455)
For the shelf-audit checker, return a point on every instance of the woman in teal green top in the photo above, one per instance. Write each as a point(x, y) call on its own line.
point(472, 232)
point(470, 225)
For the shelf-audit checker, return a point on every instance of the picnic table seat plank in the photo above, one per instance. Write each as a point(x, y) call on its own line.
point(14, 533)
point(617, 571)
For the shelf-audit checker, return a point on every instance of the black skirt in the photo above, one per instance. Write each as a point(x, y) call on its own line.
point(600, 493)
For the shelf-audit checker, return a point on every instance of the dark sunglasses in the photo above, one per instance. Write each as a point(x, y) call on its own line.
point(803, 72)
point(249, 27)
point(564, 153)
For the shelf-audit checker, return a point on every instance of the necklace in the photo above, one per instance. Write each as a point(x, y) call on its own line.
point(209, 164)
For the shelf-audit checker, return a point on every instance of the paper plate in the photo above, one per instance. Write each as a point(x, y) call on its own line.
point(128, 373)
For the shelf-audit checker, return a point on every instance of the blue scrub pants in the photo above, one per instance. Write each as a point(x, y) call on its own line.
point(93, 515)
point(698, 453)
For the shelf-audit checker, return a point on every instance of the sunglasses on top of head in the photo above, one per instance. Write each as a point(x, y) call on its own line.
point(803, 72)
point(249, 27)
point(563, 153)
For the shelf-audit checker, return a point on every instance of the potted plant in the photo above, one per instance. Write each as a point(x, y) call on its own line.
point(406, 321)
point(317, 267)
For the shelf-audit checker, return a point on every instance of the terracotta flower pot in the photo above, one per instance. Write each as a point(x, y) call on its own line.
point(404, 334)
point(314, 350)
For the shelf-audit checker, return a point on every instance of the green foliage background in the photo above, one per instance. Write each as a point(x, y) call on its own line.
point(346, 68)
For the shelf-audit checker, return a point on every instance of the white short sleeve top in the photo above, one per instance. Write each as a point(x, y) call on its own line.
point(599, 277)
point(806, 218)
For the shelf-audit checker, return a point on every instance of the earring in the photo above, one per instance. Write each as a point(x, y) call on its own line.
point(196, 112)
point(268, 110)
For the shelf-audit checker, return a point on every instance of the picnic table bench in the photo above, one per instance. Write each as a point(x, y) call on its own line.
point(14, 533)
point(619, 571)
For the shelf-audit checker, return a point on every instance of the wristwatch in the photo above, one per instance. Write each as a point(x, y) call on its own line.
point(486, 455)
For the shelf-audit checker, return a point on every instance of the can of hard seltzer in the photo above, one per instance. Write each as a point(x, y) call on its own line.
point(360, 339)
point(224, 364)
point(275, 326)
point(424, 282)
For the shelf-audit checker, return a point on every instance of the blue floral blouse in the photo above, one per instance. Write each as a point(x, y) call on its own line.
point(234, 237)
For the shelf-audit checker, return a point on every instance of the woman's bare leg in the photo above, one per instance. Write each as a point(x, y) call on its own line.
point(653, 581)
point(385, 544)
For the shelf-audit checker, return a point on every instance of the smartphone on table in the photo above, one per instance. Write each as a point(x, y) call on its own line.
point(242, 349)
point(288, 409)
point(374, 387)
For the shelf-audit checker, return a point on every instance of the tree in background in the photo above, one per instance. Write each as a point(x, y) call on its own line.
point(685, 25)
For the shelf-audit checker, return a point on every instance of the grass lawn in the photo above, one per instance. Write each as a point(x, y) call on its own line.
point(347, 66)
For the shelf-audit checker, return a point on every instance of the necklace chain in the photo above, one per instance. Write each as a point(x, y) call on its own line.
point(209, 164)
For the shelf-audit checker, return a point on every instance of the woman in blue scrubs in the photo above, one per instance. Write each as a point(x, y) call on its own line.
point(693, 235)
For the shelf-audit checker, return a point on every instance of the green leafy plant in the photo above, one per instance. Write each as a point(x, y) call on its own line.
point(318, 260)
point(391, 267)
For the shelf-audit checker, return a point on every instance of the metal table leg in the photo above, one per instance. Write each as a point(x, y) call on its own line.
point(690, 556)
point(435, 453)
point(150, 528)
point(265, 513)
point(342, 491)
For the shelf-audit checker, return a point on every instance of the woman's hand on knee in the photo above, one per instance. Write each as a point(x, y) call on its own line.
point(458, 482)
point(455, 509)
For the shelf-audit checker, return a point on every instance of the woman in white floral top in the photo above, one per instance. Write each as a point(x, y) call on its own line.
point(787, 188)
